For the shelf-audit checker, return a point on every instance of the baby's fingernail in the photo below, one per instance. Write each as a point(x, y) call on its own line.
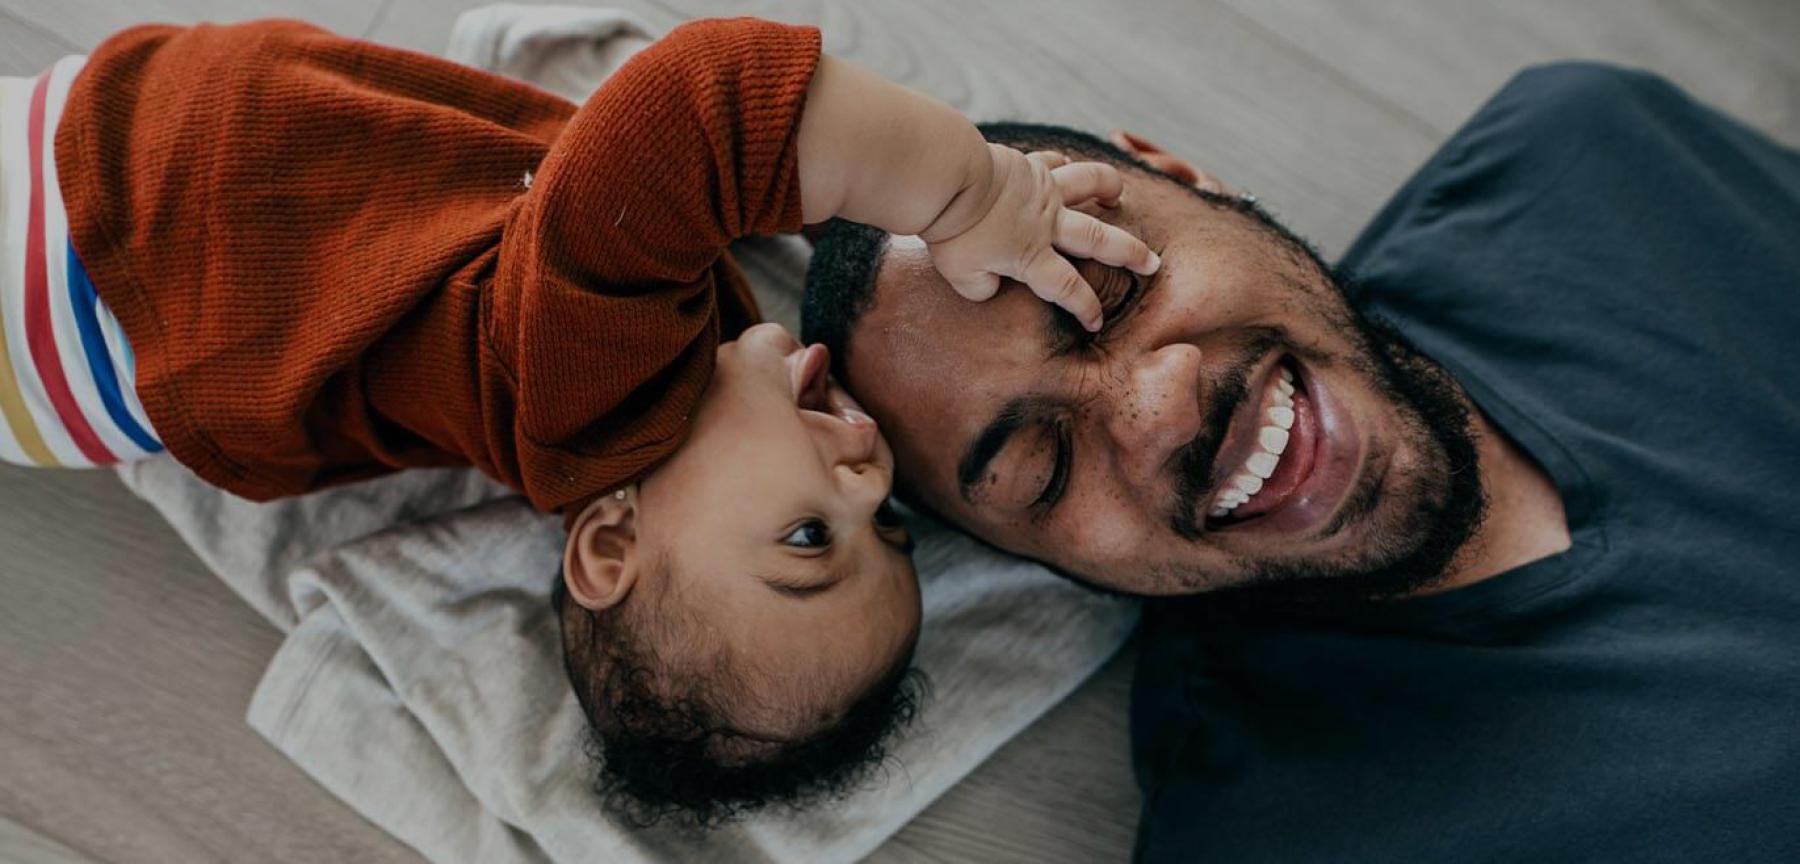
point(1154, 265)
point(1095, 325)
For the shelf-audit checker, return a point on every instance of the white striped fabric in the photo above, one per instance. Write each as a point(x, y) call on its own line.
point(66, 369)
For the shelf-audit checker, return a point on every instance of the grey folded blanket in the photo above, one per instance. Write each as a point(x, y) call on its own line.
point(421, 678)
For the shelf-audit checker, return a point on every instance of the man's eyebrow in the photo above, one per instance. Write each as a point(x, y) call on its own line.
point(992, 439)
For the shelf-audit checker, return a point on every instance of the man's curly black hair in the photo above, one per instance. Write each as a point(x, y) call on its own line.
point(664, 749)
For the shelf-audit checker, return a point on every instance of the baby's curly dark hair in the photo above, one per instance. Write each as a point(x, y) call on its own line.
point(661, 739)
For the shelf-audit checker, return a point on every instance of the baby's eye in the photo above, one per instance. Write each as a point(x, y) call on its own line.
point(892, 527)
point(887, 517)
point(811, 534)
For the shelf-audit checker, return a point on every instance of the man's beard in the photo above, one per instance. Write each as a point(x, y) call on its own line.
point(1412, 550)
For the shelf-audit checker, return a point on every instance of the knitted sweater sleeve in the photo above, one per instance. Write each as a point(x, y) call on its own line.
point(330, 265)
point(607, 310)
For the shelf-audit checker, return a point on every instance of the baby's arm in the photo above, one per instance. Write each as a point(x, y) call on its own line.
point(875, 152)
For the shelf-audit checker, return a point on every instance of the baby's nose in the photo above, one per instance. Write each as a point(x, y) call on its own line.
point(854, 459)
point(853, 442)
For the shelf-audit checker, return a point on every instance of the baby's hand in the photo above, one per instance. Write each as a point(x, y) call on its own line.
point(1018, 225)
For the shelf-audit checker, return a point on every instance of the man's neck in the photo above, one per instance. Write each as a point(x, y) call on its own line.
point(1524, 520)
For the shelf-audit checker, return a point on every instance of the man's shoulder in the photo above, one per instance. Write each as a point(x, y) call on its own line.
point(1551, 112)
point(1581, 89)
point(1547, 117)
point(1563, 146)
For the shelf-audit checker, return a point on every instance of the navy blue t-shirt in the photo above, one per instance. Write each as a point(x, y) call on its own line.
point(1612, 272)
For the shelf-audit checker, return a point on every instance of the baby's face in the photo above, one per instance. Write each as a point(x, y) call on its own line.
point(775, 519)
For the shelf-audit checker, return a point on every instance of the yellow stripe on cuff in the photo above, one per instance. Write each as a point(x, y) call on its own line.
point(12, 404)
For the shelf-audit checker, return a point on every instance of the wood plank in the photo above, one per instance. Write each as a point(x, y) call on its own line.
point(1769, 26)
point(85, 23)
point(20, 844)
point(126, 669)
point(1439, 60)
point(26, 49)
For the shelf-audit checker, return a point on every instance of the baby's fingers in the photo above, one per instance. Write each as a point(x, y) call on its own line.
point(1082, 181)
point(1083, 236)
point(1051, 277)
point(979, 287)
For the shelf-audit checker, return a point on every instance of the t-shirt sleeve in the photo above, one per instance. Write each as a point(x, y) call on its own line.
point(607, 308)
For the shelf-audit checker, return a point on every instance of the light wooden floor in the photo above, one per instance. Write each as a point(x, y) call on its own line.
point(125, 668)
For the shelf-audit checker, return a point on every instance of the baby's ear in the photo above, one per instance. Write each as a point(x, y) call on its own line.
point(598, 563)
point(1168, 163)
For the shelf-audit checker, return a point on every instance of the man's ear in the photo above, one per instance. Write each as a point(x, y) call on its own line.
point(600, 560)
point(1168, 163)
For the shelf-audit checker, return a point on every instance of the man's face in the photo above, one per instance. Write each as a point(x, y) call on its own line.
point(1112, 456)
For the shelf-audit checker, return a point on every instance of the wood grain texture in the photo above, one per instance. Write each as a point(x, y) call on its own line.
point(25, 48)
point(1400, 50)
point(86, 22)
point(22, 845)
point(125, 667)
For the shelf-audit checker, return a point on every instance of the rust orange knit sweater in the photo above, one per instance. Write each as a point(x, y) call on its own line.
point(330, 265)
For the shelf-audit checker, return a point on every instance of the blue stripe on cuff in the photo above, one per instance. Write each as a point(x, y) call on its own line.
point(82, 299)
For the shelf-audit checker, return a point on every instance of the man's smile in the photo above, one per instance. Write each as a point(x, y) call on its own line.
point(1288, 460)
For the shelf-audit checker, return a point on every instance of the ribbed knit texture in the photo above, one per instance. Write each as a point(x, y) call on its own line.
point(327, 259)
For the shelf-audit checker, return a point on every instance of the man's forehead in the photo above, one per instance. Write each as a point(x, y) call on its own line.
point(912, 326)
point(918, 322)
point(932, 367)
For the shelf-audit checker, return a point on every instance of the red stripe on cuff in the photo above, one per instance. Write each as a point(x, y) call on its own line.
point(39, 334)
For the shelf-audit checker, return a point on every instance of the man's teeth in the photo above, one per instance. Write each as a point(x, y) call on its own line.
point(1271, 442)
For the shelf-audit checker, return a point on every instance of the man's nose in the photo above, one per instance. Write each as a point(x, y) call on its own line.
point(1159, 410)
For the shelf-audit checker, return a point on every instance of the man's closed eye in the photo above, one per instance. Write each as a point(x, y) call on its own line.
point(1062, 452)
point(1119, 291)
